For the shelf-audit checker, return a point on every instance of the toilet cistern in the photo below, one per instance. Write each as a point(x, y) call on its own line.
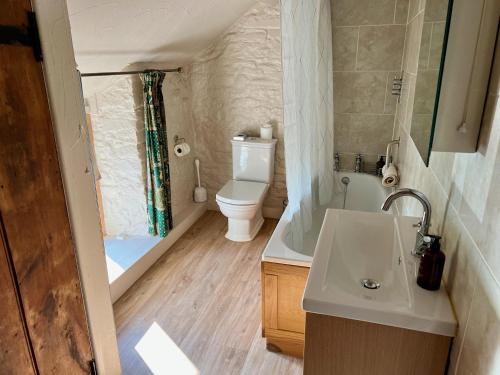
point(424, 223)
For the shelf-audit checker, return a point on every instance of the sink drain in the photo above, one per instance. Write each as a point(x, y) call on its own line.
point(370, 284)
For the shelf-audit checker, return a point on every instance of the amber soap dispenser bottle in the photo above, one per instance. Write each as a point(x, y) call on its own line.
point(431, 267)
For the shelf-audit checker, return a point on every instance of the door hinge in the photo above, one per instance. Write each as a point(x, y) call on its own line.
point(93, 367)
point(25, 36)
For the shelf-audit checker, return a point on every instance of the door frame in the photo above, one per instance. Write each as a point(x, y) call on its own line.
point(63, 86)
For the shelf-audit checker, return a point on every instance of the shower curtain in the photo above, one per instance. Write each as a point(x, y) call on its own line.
point(158, 173)
point(308, 110)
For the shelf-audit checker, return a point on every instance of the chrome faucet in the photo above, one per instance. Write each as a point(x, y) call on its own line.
point(359, 161)
point(337, 162)
point(423, 225)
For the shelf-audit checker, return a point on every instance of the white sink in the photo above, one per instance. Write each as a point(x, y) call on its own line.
point(353, 246)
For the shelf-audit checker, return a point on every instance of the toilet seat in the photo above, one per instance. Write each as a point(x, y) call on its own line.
point(242, 193)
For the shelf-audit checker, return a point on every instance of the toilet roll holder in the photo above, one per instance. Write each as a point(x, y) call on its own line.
point(178, 140)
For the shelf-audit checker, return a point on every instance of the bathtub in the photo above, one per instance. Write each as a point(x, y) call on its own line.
point(364, 193)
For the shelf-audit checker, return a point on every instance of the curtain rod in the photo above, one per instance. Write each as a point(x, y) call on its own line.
point(176, 70)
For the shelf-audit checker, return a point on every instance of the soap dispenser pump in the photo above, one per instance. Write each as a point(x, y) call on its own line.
point(431, 266)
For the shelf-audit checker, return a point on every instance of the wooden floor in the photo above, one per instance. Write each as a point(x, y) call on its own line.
point(204, 293)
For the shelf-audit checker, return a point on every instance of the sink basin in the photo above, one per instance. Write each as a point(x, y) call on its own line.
point(363, 270)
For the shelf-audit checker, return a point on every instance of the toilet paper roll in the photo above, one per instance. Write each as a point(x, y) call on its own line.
point(390, 176)
point(182, 149)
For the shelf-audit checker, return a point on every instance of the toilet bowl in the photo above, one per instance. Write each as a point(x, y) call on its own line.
point(241, 202)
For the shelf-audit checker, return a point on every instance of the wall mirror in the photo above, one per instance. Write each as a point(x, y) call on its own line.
point(430, 69)
point(456, 50)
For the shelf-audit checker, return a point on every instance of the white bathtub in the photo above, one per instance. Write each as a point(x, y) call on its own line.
point(364, 193)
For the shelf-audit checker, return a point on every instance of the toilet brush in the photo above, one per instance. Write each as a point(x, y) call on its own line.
point(200, 193)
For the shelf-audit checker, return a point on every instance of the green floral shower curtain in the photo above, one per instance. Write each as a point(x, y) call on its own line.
point(158, 173)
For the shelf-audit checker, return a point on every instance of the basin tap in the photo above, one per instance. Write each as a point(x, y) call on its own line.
point(423, 225)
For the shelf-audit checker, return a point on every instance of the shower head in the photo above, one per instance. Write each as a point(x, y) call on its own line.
point(345, 180)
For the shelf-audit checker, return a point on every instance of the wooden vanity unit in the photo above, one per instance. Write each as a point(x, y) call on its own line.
point(341, 346)
point(283, 320)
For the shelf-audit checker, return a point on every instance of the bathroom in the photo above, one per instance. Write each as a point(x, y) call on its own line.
point(319, 160)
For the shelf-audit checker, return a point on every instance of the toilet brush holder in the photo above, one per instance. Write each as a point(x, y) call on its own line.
point(200, 193)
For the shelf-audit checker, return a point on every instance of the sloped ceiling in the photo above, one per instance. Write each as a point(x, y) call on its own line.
point(116, 35)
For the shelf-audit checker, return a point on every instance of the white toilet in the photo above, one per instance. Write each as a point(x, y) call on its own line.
point(241, 199)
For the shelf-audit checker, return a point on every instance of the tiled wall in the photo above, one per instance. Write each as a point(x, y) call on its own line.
point(464, 190)
point(116, 111)
point(236, 86)
point(368, 45)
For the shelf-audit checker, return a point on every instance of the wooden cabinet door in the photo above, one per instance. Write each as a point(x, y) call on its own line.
point(283, 288)
point(35, 221)
point(291, 287)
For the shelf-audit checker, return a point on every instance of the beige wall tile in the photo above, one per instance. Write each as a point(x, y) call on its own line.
point(425, 46)
point(481, 345)
point(359, 92)
point(380, 48)
point(412, 46)
point(410, 85)
point(401, 107)
point(390, 100)
point(362, 12)
point(436, 47)
point(436, 10)
point(362, 133)
point(421, 131)
point(441, 163)
point(413, 8)
point(425, 92)
point(345, 41)
point(401, 13)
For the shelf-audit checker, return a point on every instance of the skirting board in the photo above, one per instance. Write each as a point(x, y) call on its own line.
point(118, 287)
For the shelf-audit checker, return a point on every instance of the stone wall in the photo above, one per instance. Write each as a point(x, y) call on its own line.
point(116, 115)
point(233, 86)
point(236, 86)
point(116, 112)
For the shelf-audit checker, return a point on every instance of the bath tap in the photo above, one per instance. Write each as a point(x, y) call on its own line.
point(337, 162)
point(423, 225)
point(359, 161)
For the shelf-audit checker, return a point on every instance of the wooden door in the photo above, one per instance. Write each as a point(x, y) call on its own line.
point(15, 352)
point(44, 296)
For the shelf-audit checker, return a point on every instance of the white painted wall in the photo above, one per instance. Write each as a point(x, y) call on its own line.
point(236, 86)
point(68, 118)
point(116, 114)
point(111, 35)
point(116, 110)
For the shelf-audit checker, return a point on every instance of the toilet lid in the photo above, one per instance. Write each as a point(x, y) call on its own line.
point(242, 192)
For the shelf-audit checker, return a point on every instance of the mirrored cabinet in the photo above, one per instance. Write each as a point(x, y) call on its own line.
point(454, 67)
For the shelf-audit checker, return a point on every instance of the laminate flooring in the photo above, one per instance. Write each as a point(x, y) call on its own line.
point(197, 310)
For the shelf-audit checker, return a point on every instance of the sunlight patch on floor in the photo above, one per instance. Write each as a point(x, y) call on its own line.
point(162, 355)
